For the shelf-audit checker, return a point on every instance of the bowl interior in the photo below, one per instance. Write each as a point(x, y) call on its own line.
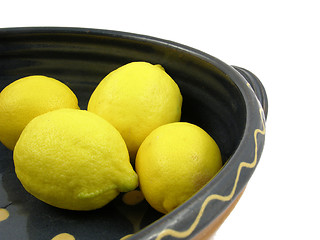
point(210, 100)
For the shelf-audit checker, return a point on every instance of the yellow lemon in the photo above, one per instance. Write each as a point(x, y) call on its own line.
point(137, 98)
point(174, 162)
point(73, 159)
point(27, 98)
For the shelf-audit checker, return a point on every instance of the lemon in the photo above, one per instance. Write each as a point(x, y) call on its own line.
point(137, 98)
point(174, 162)
point(73, 159)
point(27, 98)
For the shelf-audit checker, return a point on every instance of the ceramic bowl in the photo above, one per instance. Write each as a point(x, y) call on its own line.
point(229, 102)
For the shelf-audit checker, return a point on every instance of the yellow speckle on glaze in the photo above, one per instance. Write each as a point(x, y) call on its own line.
point(63, 236)
point(126, 237)
point(4, 214)
point(132, 198)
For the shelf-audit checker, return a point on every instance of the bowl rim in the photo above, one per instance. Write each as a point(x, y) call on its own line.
point(253, 133)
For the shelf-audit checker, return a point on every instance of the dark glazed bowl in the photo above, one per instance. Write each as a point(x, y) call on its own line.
point(230, 103)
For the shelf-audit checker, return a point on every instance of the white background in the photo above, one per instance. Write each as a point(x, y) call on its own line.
point(278, 41)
